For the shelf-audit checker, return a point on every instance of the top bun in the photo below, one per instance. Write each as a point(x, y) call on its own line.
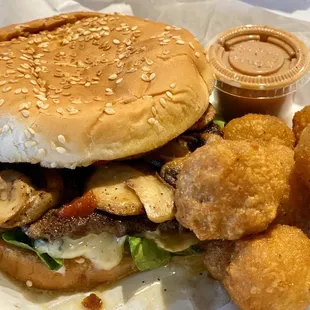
point(83, 87)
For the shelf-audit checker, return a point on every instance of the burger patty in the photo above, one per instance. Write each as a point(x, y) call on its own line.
point(52, 226)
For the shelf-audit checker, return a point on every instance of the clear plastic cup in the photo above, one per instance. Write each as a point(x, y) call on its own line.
point(258, 69)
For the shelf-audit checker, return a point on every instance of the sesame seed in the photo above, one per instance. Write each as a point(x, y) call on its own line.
point(10, 71)
point(191, 45)
point(24, 90)
point(66, 94)
point(27, 134)
point(109, 111)
point(115, 41)
point(149, 61)
point(25, 66)
point(134, 28)
point(33, 82)
point(60, 111)
point(167, 28)
point(180, 42)
point(41, 153)
point(197, 54)
point(119, 81)
point(6, 89)
point(77, 101)
point(146, 68)
point(3, 83)
point(169, 94)
point(73, 111)
point(162, 101)
point(166, 52)
point(1, 102)
point(113, 77)
point(172, 85)
point(6, 128)
point(151, 121)
point(25, 113)
point(45, 106)
point(62, 139)
point(145, 78)
point(29, 283)
point(154, 111)
point(17, 91)
point(108, 104)
point(27, 76)
point(31, 131)
point(196, 39)
point(22, 106)
point(152, 76)
point(41, 97)
point(30, 143)
point(61, 150)
point(40, 104)
point(53, 145)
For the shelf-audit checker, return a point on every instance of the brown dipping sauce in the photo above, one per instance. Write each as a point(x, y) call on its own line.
point(258, 70)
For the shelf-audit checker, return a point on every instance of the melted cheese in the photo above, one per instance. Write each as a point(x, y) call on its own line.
point(105, 250)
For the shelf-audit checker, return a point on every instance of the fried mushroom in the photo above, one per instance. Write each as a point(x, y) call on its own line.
point(302, 156)
point(269, 270)
point(300, 121)
point(228, 189)
point(260, 127)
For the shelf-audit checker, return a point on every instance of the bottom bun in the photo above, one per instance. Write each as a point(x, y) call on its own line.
point(25, 266)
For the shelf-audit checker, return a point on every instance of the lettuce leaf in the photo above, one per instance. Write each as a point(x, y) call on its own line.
point(218, 120)
point(146, 254)
point(18, 238)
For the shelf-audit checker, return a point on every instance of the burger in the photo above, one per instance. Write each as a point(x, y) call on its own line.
point(97, 113)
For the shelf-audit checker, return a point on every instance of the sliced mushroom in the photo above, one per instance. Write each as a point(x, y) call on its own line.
point(205, 119)
point(108, 186)
point(169, 172)
point(21, 203)
point(157, 197)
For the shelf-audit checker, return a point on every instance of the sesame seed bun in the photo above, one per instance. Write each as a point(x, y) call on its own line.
point(83, 87)
point(79, 274)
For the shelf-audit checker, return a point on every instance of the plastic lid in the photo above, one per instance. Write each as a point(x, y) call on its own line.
point(258, 58)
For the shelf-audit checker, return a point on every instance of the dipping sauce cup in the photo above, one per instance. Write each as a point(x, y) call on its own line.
point(258, 69)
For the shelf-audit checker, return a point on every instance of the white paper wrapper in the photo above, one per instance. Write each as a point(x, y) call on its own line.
point(185, 289)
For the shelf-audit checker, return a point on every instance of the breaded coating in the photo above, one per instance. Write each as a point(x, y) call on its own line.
point(260, 127)
point(294, 209)
point(228, 189)
point(300, 121)
point(270, 271)
point(302, 156)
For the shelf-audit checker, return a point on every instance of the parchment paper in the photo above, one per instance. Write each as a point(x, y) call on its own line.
point(204, 19)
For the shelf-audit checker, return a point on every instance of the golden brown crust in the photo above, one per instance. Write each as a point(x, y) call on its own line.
point(24, 266)
point(229, 189)
point(302, 156)
point(83, 87)
point(266, 128)
point(271, 271)
point(300, 121)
